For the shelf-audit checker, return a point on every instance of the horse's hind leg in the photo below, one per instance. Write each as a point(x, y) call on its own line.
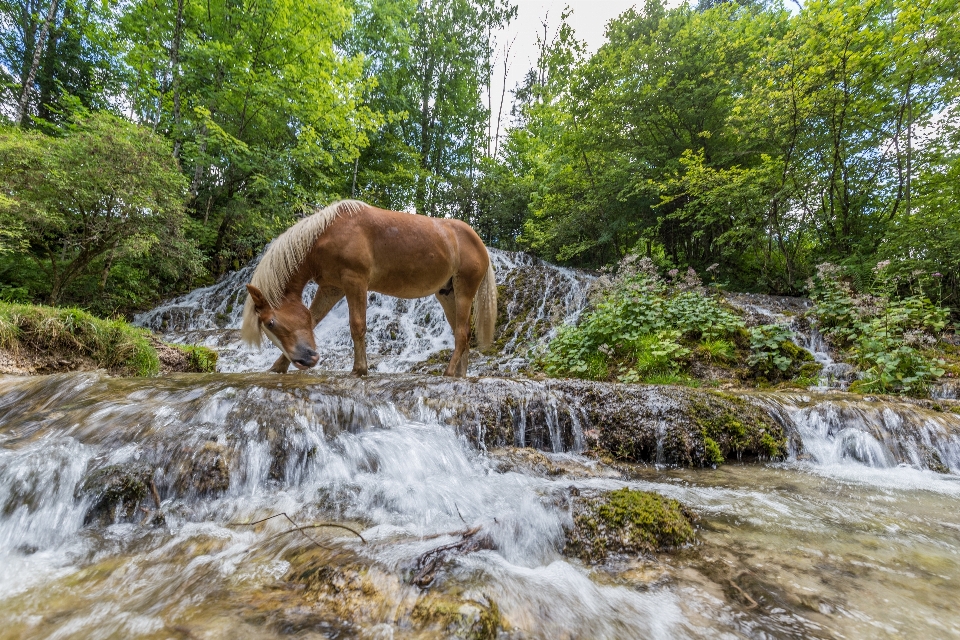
point(357, 302)
point(324, 300)
point(461, 336)
point(449, 303)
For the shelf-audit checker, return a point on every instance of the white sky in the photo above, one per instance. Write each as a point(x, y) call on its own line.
point(589, 21)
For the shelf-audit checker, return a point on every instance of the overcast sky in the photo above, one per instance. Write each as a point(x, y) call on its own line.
point(589, 20)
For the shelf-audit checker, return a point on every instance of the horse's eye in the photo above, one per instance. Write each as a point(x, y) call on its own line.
point(272, 322)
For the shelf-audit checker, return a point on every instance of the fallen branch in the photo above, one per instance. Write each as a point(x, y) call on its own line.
point(429, 562)
point(753, 603)
point(301, 529)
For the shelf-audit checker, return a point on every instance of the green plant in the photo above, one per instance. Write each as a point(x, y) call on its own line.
point(768, 354)
point(719, 350)
point(884, 335)
point(642, 327)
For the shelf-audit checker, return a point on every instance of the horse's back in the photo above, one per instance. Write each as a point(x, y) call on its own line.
point(400, 254)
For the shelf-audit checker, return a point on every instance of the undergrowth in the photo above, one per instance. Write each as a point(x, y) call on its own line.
point(648, 328)
point(896, 342)
point(111, 344)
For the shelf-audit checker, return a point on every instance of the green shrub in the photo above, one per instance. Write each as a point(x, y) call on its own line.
point(885, 336)
point(643, 326)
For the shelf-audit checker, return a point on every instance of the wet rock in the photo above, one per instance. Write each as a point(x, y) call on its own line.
point(626, 522)
point(524, 460)
point(677, 425)
point(116, 491)
point(457, 617)
point(204, 471)
point(337, 590)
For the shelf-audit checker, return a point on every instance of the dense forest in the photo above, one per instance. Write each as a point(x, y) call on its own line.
point(147, 148)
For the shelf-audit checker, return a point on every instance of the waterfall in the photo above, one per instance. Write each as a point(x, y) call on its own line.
point(402, 335)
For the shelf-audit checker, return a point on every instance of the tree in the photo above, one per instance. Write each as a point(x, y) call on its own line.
point(106, 190)
point(431, 60)
point(262, 105)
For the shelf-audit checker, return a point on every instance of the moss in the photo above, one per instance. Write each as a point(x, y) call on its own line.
point(67, 334)
point(200, 359)
point(729, 425)
point(627, 522)
point(712, 453)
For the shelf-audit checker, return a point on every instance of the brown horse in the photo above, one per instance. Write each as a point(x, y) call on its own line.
point(350, 248)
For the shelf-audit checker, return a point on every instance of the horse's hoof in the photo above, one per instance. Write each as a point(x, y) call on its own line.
point(359, 374)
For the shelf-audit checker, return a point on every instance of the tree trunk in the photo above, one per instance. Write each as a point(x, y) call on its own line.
point(32, 75)
point(175, 70)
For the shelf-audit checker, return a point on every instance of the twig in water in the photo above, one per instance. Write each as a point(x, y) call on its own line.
point(429, 562)
point(753, 603)
point(156, 494)
point(458, 513)
point(297, 527)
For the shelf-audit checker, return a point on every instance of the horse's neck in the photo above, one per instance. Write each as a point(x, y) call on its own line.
point(298, 281)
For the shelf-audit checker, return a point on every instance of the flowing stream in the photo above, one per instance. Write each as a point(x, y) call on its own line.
point(857, 534)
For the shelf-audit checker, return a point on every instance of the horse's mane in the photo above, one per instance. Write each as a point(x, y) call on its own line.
point(282, 259)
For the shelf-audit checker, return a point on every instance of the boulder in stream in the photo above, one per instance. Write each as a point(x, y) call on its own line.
point(627, 522)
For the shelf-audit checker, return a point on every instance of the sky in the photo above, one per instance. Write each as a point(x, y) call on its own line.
point(589, 20)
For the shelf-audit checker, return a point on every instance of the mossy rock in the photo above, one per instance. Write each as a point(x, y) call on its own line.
point(676, 425)
point(627, 522)
point(117, 489)
point(457, 617)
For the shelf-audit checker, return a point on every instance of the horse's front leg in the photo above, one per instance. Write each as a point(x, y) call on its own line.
point(357, 303)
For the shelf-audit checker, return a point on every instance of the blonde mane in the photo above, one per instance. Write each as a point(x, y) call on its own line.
point(282, 259)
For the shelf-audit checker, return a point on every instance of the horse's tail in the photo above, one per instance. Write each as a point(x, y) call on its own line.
point(250, 329)
point(485, 309)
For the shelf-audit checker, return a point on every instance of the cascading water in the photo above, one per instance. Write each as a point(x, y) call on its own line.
point(802, 548)
point(126, 504)
point(763, 309)
point(401, 334)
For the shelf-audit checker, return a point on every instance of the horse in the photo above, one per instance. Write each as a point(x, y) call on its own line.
point(350, 248)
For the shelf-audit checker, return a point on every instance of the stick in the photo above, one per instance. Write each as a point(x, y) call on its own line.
point(156, 494)
point(299, 528)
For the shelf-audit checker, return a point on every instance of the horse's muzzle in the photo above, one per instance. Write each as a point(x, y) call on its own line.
point(306, 358)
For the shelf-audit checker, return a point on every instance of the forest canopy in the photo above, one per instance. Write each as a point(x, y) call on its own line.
point(761, 139)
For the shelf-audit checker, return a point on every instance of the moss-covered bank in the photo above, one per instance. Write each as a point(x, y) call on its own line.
point(40, 339)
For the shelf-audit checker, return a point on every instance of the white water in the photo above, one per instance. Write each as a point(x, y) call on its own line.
point(855, 536)
point(409, 485)
point(400, 333)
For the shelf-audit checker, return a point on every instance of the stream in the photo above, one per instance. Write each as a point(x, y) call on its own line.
point(856, 534)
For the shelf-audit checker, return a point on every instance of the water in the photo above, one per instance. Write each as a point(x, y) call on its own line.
point(401, 334)
point(787, 311)
point(854, 536)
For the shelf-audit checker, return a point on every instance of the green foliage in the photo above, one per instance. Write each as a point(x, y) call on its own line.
point(888, 337)
point(773, 355)
point(101, 198)
point(111, 344)
point(643, 327)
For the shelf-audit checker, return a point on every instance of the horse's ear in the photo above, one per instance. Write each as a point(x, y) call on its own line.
point(259, 302)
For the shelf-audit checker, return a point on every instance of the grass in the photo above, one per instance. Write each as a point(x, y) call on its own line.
point(111, 344)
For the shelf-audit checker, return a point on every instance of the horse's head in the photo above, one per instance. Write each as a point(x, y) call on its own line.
point(289, 326)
